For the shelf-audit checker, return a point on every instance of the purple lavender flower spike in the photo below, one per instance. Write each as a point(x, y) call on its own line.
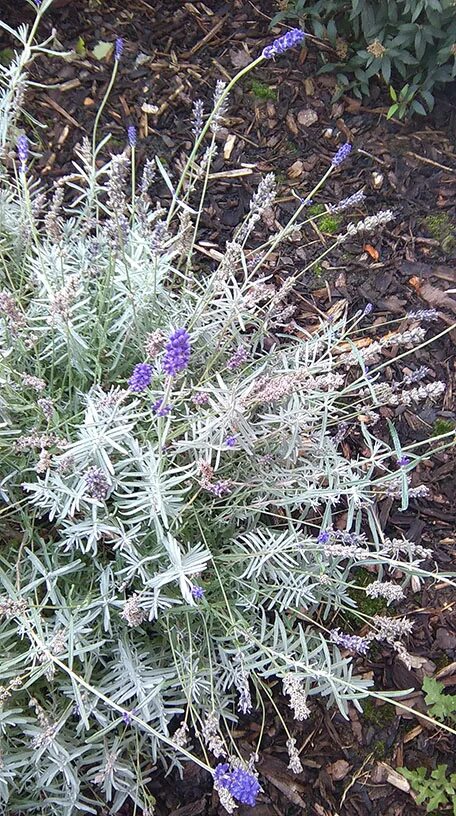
point(244, 787)
point(354, 643)
point(197, 592)
point(118, 48)
point(403, 461)
point(177, 353)
point(241, 784)
point(22, 152)
point(293, 37)
point(230, 441)
point(132, 137)
point(367, 309)
point(343, 152)
point(324, 537)
point(141, 377)
point(161, 410)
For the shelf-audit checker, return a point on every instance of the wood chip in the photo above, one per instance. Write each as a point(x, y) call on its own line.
point(415, 282)
point(63, 136)
point(70, 85)
point(435, 297)
point(309, 86)
point(210, 34)
point(412, 734)
point(147, 108)
point(394, 778)
point(374, 253)
point(241, 171)
point(338, 770)
point(307, 117)
point(291, 124)
point(55, 105)
point(296, 170)
point(228, 147)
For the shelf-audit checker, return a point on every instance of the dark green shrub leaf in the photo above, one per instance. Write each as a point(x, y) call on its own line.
point(386, 69)
point(418, 37)
point(418, 108)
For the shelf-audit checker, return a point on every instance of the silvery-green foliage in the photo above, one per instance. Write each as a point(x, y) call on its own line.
point(106, 645)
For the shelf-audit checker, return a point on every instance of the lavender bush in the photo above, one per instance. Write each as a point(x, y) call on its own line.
point(178, 501)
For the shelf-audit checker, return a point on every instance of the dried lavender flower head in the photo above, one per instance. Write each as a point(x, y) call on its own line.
point(352, 200)
point(368, 224)
point(423, 314)
point(97, 484)
point(220, 105)
point(238, 359)
point(197, 117)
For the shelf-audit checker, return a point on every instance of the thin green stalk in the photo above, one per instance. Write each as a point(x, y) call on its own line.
point(201, 205)
point(101, 109)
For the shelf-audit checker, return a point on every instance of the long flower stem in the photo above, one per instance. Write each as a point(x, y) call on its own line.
point(101, 109)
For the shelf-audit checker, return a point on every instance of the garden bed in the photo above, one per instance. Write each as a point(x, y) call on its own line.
point(283, 121)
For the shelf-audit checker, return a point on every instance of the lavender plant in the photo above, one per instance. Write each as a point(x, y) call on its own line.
point(177, 501)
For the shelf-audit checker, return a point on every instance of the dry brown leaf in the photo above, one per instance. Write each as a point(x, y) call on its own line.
point(374, 253)
point(338, 770)
point(415, 282)
point(435, 297)
point(240, 57)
